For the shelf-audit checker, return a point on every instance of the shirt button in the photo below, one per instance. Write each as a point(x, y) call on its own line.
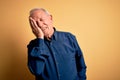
point(59, 76)
point(57, 63)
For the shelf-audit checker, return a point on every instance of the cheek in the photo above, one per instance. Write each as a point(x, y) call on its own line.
point(49, 21)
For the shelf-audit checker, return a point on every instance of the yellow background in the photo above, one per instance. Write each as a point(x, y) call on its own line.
point(96, 24)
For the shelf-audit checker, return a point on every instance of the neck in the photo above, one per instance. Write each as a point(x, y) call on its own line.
point(50, 34)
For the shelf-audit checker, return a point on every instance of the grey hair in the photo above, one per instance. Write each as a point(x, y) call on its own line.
point(35, 9)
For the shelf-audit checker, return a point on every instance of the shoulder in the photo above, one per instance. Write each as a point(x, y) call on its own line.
point(65, 35)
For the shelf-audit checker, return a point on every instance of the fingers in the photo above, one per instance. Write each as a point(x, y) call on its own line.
point(30, 22)
point(33, 25)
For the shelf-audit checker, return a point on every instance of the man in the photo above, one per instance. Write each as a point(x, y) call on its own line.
point(53, 55)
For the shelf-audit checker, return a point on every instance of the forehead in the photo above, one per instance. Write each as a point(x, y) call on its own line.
point(38, 13)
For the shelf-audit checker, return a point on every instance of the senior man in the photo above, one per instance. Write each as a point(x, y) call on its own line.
point(53, 55)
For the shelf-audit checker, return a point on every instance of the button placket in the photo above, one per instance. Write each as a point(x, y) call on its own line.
point(56, 62)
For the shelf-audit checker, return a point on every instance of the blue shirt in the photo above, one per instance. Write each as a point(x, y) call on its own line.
point(57, 59)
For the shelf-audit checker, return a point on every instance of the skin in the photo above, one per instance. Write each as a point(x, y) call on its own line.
point(41, 24)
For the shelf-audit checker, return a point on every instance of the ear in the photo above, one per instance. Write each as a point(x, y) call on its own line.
point(51, 17)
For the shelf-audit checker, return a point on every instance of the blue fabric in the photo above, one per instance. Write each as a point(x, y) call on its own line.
point(58, 59)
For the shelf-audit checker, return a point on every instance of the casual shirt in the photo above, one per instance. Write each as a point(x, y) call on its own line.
point(59, 58)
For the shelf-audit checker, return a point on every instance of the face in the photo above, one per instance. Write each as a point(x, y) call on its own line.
point(43, 20)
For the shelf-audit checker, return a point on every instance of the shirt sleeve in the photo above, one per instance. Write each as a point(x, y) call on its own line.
point(36, 56)
point(81, 66)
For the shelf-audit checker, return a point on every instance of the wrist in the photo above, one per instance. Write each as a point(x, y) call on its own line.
point(41, 37)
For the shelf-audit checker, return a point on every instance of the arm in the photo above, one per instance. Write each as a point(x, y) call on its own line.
point(36, 51)
point(36, 56)
point(81, 66)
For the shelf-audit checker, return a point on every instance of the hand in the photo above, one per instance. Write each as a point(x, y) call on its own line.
point(35, 28)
